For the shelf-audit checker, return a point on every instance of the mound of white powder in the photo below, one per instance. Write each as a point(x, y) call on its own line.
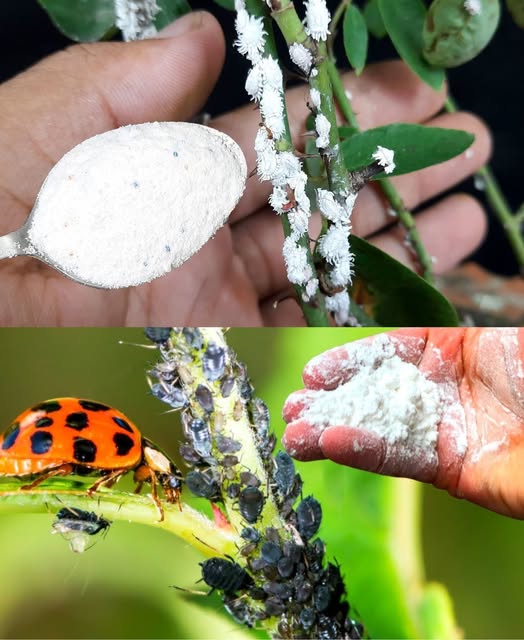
point(387, 396)
point(129, 205)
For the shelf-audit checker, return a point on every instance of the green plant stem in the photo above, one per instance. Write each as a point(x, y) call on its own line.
point(510, 222)
point(313, 309)
point(405, 217)
point(186, 523)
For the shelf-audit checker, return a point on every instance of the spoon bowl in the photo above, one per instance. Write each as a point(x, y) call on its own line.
point(129, 205)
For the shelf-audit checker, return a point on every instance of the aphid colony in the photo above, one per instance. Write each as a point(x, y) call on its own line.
point(285, 575)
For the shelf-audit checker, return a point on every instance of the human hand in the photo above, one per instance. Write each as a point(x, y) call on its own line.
point(234, 278)
point(471, 444)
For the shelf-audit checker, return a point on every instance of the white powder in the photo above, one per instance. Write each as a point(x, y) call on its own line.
point(386, 396)
point(126, 206)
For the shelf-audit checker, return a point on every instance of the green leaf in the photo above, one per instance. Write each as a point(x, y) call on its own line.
point(404, 21)
point(81, 20)
point(373, 19)
point(170, 10)
point(394, 295)
point(415, 146)
point(355, 38)
point(226, 4)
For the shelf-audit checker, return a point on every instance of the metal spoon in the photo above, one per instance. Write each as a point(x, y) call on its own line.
point(129, 205)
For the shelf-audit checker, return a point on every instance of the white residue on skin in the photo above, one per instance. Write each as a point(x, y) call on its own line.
point(386, 396)
point(128, 205)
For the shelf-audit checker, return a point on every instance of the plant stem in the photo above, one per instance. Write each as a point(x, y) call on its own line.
point(191, 525)
point(510, 222)
point(405, 217)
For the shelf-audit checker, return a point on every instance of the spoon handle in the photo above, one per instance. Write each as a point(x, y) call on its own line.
point(12, 244)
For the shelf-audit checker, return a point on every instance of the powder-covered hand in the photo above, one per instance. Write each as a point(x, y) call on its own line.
point(444, 406)
point(237, 276)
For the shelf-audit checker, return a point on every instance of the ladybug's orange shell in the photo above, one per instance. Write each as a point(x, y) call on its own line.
point(60, 431)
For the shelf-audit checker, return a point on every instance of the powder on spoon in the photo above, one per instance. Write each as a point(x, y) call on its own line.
point(128, 205)
point(387, 396)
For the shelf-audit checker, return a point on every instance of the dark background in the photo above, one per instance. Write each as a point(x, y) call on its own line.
point(490, 86)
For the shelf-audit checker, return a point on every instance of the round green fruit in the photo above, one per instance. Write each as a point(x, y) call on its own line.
point(455, 33)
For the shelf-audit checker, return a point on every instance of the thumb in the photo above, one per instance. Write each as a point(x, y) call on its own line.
point(88, 89)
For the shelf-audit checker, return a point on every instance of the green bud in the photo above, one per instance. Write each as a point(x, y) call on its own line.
point(516, 8)
point(454, 35)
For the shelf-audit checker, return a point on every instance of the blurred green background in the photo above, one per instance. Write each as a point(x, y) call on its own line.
point(120, 587)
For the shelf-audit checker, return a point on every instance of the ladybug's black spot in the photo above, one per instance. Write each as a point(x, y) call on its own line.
point(77, 420)
point(84, 450)
point(43, 422)
point(41, 442)
point(10, 436)
point(122, 423)
point(48, 407)
point(90, 405)
point(123, 443)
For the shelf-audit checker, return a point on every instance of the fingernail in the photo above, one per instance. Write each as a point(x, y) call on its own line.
point(185, 24)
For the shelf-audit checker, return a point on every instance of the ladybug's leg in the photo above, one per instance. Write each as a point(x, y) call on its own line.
point(62, 470)
point(144, 473)
point(108, 480)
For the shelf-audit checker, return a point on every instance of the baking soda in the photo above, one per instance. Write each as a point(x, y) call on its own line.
point(386, 396)
point(127, 206)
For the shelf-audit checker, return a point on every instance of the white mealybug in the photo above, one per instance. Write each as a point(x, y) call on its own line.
point(254, 82)
point(329, 207)
point(323, 127)
point(385, 158)
point(272, 110)
point(314, 96)
point(301, 56)
point(267, 156)
point(251, 35)
point(278, 199)
point(317, 19)
point(334, 244)
point(298, 269)
point(311, 289)
point(135, 18)
point(338, 304)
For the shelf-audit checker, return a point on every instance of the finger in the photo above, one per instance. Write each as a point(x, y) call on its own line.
point(368, 451)
point(301, 441)
point(337, 366)
point(372, 211)
point(88, 89)
point(450, 230)
point(296, 403)
point(385, 92)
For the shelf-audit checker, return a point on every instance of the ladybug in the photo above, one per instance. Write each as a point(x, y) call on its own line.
point(77, 526)
point(66, 436)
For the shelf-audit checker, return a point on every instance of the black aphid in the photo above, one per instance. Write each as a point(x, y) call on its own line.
point(271, 552)
point(214, 362)
point(284, 473)
point(198, 431)
point(251, 503)
point(225, 575)
point(260, 414)
point(203, 484)
point(158, 335)
point(250, 534)
point(309, 517)
point(171, 395)
point(204, 398)
point(193, 337)
point(227, 385)
point(227, 445)
point(249, 479)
